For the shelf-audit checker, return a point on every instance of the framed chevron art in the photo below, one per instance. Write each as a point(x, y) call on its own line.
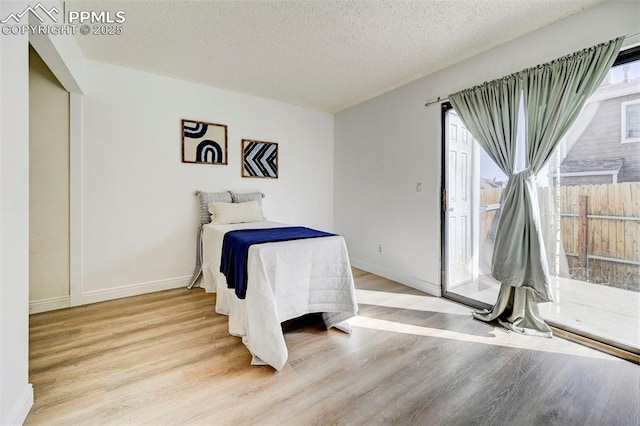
point(259, 159)
point(204, 143)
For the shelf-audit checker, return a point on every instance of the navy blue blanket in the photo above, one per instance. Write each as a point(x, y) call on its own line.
point(235, 250)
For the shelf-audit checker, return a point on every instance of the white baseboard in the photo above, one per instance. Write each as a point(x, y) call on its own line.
point(418, 284)
point(20, 410)
point(132, 290)
point(95, 296)
point(51, 304)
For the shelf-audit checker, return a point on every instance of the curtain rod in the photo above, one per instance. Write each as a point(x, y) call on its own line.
point(436, 100)
point(444, 98)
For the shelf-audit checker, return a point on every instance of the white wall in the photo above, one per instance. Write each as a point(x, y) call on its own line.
point(16, 394)
point(384, 146)
point(139, 212)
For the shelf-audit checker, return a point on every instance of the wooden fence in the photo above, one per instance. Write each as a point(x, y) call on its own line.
point(490, 199)
point(599, 227)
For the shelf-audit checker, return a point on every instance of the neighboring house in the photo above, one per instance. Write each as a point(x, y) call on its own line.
point(604, 145)
point(591, 172)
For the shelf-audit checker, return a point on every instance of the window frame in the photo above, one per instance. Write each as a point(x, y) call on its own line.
point(623, 122)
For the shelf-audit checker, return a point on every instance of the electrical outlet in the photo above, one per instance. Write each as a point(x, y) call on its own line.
point(419, 187)
point(379, 248)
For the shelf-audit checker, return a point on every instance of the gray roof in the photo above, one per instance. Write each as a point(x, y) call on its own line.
point(612, 165)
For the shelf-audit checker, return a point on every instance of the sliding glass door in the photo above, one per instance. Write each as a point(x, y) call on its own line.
point(589, 196)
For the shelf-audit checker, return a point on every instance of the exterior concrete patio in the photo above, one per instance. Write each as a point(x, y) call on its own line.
point(607, 312)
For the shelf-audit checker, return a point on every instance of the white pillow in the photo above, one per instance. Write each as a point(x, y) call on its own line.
point(211, 197)
point(224, 213)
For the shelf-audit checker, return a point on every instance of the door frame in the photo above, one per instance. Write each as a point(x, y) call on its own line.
point(50, 55)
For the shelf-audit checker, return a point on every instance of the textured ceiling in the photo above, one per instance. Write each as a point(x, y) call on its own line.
point(322, 54)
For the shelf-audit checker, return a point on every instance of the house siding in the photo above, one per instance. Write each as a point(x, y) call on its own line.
point(601, 140)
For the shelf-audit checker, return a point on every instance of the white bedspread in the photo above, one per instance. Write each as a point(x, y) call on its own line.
point(286, 280)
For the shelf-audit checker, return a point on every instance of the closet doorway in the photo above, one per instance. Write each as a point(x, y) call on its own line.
point(49, 241)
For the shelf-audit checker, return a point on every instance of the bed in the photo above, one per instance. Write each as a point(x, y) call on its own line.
point(285, 280)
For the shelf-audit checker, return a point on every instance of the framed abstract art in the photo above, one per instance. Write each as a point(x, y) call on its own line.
point(204, 143)
point(259, 159)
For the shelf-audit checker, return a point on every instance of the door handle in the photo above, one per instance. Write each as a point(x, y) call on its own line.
point(445, 202)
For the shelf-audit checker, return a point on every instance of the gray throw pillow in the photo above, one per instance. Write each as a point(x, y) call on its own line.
point(210, 197)
point(243, 197)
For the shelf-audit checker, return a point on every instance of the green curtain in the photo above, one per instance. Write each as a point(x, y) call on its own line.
point(554, 94)
point(490, 112)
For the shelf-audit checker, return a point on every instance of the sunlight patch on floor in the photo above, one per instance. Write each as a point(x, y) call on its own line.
point(410, 301)
point(427, 303)
point(498, 337)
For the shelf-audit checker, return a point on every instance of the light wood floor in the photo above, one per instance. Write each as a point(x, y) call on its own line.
point(166, 358)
